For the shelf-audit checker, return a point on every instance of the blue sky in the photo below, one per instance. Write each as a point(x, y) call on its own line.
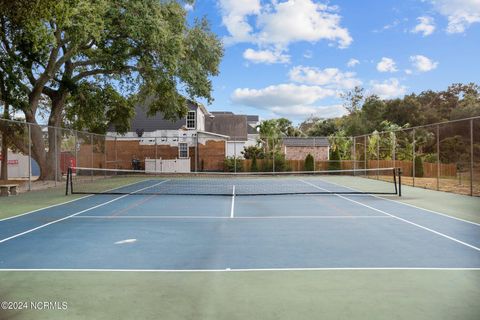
point(293, 58)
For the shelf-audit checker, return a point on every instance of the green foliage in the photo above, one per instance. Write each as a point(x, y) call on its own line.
point(342, 142)
point(430, 157)
point(281, 163)
point(334, 163)
point(454, 149)
point(232, 164)
point(309, 163)
point(418, 167)
point(96, 107)
point(315, 127)
point(254, 166)
point(93, 60)
point(352, 100)
point(252, 152)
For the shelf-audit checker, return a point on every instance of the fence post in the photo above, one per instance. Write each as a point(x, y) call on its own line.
point(438, 157)
point(77, 164)
point(235, 155)
point(91, 160)
point(56, 154)
point(394, 149)
point(378, 155)
point(354, 155)
point(156, 155)
point(196, 152)
point(413, 158)
point(116, 160)
point(314, 160)
point(273, 154)
point(471, 157)
point(105, 153)
point(365, 161)
point(29, 157)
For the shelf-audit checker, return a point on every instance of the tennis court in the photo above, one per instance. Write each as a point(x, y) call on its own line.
point(224, 224)
point(221, 234)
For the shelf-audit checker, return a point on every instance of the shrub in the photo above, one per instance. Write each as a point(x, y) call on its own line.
point(254, 166)
point(280, 164)
point(252, 152)
point(418, 167)
point(309, 163)
point(334, 163)
point(229, 164)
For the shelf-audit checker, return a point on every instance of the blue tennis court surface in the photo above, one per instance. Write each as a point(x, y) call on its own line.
point(178, 232)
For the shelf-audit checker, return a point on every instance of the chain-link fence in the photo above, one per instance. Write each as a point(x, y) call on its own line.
point(444, 156)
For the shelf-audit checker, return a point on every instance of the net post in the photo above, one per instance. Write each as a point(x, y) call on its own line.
point(69, 172)
point(399, 182)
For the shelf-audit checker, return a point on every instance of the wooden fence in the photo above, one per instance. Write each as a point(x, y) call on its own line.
point(429, 169)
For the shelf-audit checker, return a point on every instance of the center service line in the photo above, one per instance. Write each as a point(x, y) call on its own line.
point(233, 203)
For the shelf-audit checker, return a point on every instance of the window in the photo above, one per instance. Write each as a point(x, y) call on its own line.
point(191, 120)
point(182, 150)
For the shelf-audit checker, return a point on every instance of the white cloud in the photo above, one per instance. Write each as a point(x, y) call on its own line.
point(388, 89)
point(408, 71)
point(387, 65)
point(426, 26)
point(278, 24)
point(235, 18)
point(295, 101)
point(301, 20)
point(282, 95)
point(188, 7)
point(352, 63)
point(329, 77)
point(329, 111)
point(265, 56)
point(460, 13)
point(423, 64)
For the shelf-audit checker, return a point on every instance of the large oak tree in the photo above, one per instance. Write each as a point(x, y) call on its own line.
point(84, 63)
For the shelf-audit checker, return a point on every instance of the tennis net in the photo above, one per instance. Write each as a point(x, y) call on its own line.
point(116, 181)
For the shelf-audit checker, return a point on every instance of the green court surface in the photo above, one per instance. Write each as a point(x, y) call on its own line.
point(459, 206)
point(340, 294)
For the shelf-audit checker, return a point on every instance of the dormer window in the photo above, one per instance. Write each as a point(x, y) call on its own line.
point(191, 120)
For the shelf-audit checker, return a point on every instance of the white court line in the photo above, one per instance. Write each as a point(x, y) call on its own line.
point(233, 203)
point(77, 213)
point(398, 218)
point(246, 270)
point(407, 204)
point(59, 204)
point(237, 217)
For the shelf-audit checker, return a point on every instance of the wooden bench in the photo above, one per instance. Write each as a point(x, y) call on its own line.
point(8, 190)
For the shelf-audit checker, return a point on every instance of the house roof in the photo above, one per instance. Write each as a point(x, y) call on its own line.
point(158, 122)
point(306, 142)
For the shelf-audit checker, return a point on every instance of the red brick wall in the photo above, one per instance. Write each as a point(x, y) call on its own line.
point(300, 153)
point(119, 155)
